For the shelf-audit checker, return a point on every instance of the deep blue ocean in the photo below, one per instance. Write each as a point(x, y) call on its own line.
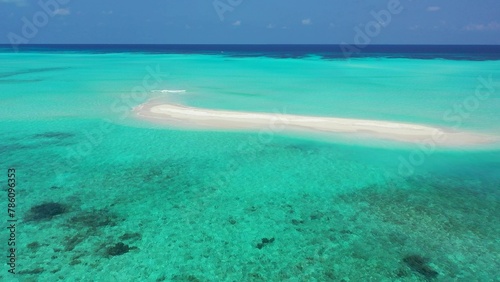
point(452, 52)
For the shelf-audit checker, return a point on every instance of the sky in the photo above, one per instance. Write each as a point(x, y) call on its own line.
point(250, 22)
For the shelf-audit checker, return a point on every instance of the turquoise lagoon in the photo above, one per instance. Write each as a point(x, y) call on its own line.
point(104, 196)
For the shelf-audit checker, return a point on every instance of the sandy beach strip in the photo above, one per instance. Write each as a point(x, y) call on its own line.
point(189, 117)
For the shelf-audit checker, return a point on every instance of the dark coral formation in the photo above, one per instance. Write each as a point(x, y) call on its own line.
point(55, 135)
point(185, 278)
point(93, 219)
point(419, 264)
point(72, 242)
point(87, 224)
point(45, 211)
point(118, 249)
point(33, 246)
point(130, 236)
point(32, 271)
point(264, 242)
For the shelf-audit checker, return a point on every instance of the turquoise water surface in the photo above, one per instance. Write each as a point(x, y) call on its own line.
point(104, 196)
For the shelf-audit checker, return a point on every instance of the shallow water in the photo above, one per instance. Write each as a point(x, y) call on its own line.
point(196, 205)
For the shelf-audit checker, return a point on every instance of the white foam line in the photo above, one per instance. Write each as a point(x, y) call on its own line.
point(169, 91)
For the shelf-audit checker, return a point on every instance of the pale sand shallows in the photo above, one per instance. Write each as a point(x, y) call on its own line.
point(189, 117)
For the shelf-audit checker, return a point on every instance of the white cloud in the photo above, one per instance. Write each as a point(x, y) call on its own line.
point(270, 26)
point(19, 3)
point(482, 27)
point(62, 12)
point(433, 8)
point(306, 21)
point(237, 23)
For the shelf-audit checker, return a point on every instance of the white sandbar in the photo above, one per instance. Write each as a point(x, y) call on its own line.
point(190, 117)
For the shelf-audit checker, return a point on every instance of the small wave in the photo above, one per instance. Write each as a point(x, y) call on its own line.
point(169, 91)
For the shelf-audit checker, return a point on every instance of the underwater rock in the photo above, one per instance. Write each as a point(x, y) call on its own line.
point(45, 211)
point(419, 264)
